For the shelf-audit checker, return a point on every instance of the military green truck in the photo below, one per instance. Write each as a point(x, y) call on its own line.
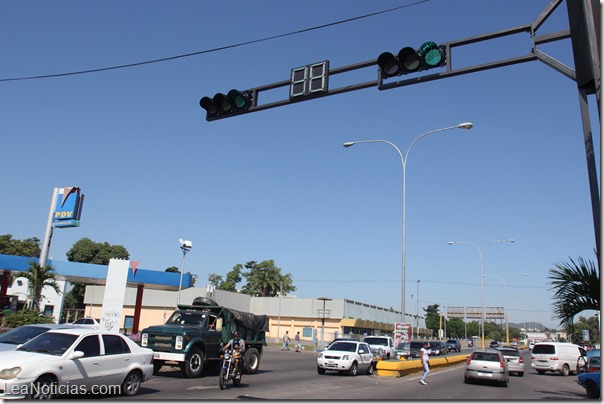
point(193, 335)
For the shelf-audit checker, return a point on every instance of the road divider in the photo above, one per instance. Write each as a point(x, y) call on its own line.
point(399, 368)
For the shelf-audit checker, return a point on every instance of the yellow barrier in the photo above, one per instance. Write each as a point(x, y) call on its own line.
point(398, 368)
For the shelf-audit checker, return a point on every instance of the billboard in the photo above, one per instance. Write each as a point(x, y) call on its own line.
point(68, 207)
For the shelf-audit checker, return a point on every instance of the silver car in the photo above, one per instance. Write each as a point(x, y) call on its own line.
point(487, 365)
point(514, 360)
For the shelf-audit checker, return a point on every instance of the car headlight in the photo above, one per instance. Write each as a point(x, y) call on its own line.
point(10, 373)
point(144, 339)
point(346, 357)
point(320, 354)
point(178, 344)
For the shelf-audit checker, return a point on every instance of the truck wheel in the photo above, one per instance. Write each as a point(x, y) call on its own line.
point(251, 361)
point(193, 364)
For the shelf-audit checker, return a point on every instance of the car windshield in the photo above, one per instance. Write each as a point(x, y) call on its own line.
point(22, 334)
point(186, 318)
point(376, 341)
point(343, 346)
point(52, 343)
point(417, 345)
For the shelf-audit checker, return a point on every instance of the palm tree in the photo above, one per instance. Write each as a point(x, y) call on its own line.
point(576, 288)
point(39, 276)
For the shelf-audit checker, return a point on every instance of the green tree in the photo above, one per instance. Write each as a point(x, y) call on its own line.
point(576, 287)
point(30, 247)
point(232, 279)
point(432, 318)
point(264, 279)
point(455, 328)
point(172, 269)
point(90, 252)
point(38, 276)
point(215, 280)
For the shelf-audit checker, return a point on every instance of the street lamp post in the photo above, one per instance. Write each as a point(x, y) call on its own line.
point(481, 276)
point(464, 125)
point(323, 321)
point(417, 307)
point(505, 311)
point(185, 246)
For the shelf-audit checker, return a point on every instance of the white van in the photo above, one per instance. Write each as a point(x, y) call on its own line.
point(556, 357)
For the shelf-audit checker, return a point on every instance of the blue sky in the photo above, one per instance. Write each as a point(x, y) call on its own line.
point(277, 184)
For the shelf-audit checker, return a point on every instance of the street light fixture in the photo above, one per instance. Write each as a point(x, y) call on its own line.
point(463, 125)
point(481, 276)
point(185, 246)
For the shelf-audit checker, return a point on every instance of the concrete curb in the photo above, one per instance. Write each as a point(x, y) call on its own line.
point(399, 368)
point(403, 367)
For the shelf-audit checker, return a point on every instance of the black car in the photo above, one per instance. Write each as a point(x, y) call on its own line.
point(454, 345)
point(414, 348)
point(494, 344)
point(438, 348)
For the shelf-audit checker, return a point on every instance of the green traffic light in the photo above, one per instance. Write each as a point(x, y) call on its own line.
point(431, 54)
point(238, 99)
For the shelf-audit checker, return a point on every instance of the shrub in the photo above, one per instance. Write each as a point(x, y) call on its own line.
point(25, 316)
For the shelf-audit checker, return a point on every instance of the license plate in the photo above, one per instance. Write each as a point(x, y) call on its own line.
point(485, 374)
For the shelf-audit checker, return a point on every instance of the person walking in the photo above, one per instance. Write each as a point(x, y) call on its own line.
point(424, 354)
point(297, 339)
point(285, 346)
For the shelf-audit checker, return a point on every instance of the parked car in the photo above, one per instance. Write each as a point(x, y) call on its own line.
point(454, 345)
point(494, 344)
point(438, 348)
point(514, 360)
point(591, 382)
point(487, 365)
point(74, 361)
point(559, 357)
point(20, 335)
point(346, 356)
point(583, 360)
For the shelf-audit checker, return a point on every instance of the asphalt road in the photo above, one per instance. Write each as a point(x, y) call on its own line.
point(287, 375)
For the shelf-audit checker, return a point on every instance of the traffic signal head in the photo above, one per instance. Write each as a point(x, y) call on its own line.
point(408, 60)
point(234, 101)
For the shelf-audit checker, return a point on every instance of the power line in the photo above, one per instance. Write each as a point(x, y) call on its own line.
point(102, 69)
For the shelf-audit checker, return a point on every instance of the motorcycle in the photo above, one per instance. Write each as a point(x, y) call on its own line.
point(229, 370)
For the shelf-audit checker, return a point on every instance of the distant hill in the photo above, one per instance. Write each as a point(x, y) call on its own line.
point(532, 325)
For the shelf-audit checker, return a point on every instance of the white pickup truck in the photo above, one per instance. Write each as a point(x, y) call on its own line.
point(382, 347)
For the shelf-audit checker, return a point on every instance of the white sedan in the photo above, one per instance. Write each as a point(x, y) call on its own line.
point(72, 362)
point(346, 356)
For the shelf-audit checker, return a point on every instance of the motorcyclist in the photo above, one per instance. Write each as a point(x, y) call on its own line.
point(240, 342)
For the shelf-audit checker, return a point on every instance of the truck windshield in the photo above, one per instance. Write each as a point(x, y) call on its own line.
point(186, 318)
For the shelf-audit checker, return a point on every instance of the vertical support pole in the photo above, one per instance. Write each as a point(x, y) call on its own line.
point(49, 228)
point(137, 308)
